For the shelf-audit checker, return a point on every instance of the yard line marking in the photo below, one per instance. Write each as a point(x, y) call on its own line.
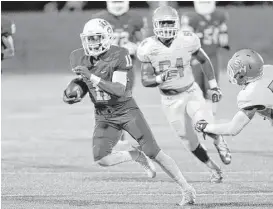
point(150, 194)
point(134, 172)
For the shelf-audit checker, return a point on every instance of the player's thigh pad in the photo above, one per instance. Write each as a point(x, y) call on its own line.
point(174, 108)
point(105, 137)
point(197, 107)
point(139, 129)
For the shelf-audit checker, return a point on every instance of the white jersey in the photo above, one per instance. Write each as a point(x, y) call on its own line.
point(259, 92)
point(177, 55)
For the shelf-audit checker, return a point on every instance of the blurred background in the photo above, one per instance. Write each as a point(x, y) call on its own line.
point(46, 32)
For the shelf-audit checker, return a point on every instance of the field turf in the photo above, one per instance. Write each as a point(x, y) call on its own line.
point(47, 147)
point(47, 155)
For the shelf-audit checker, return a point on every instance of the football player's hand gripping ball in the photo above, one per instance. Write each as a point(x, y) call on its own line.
point(215, 94)
point(169, 74)
point(83, 71)
point(72, 100)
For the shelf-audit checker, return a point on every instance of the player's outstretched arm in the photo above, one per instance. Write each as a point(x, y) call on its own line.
point(234, 127)
point(148, 77)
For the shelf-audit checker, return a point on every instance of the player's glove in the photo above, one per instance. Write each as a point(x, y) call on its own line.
point(71, 100)
point(215, 94)
point(169, 74)
point(200, 126)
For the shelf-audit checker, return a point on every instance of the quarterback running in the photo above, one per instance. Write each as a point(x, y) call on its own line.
point(246, 68)
point(128, 29)
point(105, 73)
point(165, 61)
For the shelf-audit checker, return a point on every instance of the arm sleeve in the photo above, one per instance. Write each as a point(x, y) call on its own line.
point(142, 51)
point(234, 127)
point(193, 40)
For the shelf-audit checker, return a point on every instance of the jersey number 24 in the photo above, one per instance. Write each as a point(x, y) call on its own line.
point(164, 65)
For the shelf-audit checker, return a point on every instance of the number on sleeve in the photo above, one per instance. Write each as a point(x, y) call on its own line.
point(270, 86)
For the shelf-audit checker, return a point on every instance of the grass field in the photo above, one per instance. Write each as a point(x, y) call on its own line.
point(46, 144)
point(47, 155)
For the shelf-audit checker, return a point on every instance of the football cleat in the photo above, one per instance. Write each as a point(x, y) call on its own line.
point(146, 163)
point(223, 150)
point(189, 196)
point(216, 176)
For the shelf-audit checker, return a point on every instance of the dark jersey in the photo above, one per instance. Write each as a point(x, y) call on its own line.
point(207, 30)
point(124, 26)
point(7, 26)
point(115, 59)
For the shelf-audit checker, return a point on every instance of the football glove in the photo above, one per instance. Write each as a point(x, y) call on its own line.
point(71, 100)
point(215, 94)
point(200, 126)
point(169, 74)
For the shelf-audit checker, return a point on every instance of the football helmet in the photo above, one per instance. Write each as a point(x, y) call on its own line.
point(97, 37)
point(117, 8)
point(245, 66)
point(204, 7)
point(165, 22)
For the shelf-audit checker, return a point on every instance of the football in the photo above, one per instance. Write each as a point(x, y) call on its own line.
point(75, 86)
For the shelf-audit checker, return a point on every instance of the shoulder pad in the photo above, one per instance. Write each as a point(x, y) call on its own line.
point(144, 48)
point(118, 57)
point(246, 97)
point(190, 40)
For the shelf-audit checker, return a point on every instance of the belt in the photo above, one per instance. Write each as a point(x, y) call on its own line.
point(171, 92)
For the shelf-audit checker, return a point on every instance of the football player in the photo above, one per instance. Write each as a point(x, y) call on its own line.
point(7, 31)
point(246, 68)
point(165, 61)
point(128, 29)
point(106, 72)
point(210, 26)
point(127, 25)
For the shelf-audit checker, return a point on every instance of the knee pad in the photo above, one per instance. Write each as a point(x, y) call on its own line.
point(201, 154)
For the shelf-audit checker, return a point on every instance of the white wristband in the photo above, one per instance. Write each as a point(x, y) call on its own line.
point(158, 79)
point(95, 79)
point(213, 83)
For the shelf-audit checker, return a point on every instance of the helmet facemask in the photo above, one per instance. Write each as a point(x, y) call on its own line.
point(167, 28)
point(237, 76)
point(95, 44)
